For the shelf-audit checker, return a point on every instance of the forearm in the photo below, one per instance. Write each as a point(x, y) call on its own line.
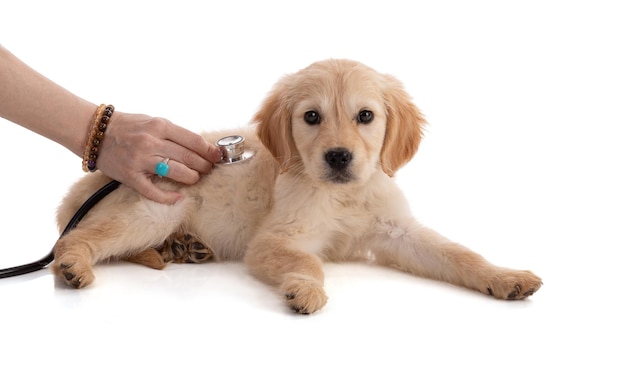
point(134, 143)
point(33, 101)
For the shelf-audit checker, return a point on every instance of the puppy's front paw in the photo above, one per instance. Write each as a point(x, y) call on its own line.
point(73, 270)
point(513, 285)
point(304, 294)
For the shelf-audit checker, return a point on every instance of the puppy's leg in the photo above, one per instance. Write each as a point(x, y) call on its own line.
point(113, 231)
point(178, 248)
point(423, 252)
point(151, 258)
point(297, 274)
point(77, 251)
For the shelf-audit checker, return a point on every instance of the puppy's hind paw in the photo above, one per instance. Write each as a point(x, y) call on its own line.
point(304, 294)
point(185, 248)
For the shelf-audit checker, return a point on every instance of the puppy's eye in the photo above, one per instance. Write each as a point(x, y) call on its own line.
point(365, 117)
point(312, 117)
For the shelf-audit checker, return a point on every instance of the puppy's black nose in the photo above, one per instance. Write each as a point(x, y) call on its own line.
point(338, 158)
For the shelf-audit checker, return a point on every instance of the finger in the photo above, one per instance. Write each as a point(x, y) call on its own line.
point(181, 173)
point(187, 158)
point(214, 154)
point(195, 143)
point(151, 191)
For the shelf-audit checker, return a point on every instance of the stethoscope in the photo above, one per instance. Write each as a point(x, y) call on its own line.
point(233, 151)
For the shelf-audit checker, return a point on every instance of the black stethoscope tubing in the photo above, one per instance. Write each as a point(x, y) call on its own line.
point(82, 211)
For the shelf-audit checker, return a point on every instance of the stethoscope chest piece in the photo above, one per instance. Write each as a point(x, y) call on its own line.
point(233, 149)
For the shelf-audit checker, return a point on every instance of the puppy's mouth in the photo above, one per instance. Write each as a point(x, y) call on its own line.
point(339, 161)
point(339, 177)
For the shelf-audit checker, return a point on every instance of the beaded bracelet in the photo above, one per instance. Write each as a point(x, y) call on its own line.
point(96, 135)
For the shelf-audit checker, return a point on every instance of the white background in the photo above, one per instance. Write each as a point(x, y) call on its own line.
point(523, 161)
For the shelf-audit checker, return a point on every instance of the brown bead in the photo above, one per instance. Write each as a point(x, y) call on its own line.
point(96, 135)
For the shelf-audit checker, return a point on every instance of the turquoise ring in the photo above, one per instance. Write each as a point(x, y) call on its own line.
point(162, 168)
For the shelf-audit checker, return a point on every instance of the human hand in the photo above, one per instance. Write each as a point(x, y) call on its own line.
point(135, 143)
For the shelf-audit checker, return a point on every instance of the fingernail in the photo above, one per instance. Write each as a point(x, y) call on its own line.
point(217, 154)
point(179, 197)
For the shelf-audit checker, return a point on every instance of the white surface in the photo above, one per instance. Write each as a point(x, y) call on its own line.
point(523, 162)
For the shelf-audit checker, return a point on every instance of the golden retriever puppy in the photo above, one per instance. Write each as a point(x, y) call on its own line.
point(320, 186)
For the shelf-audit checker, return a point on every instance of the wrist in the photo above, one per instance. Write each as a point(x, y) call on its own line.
point(76, 136)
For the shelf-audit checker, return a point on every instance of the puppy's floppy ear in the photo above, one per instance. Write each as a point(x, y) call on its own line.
point(405, 124)
point(273, 124)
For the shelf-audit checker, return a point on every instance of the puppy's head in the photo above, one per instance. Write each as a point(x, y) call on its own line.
point(339, 121)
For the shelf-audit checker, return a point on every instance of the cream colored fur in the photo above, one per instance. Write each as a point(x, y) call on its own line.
point(287, 210)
